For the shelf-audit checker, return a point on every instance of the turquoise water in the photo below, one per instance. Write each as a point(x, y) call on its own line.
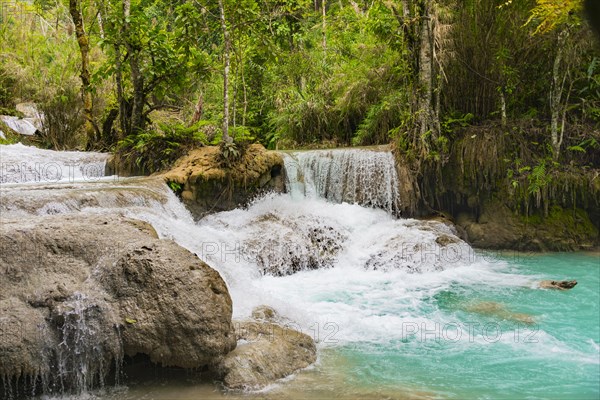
point(529, 343)
point(469, 325)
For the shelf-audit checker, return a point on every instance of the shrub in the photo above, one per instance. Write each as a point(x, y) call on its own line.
point(157, 149)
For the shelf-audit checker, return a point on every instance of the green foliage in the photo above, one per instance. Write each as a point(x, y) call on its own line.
point(590, 143)
point(538, 179)
point(42, 67)
point(352, 91)
point(11, 137)
point(547, 15)
point(7, 86)
point(153, 52)
point(294, 81)
point(176, 187)
point(451, 122)
point(63, 120)
point(230, 153)
point(157, 149)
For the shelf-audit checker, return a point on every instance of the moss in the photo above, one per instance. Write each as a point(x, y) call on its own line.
point(576, 221)
point(507, 178)
point(534, 219)
point(209, 184)
point(11, 111)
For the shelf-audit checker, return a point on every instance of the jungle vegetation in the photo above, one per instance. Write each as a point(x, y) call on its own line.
point(152, 77)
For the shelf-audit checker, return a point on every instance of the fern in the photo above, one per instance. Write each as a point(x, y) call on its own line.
point(538, 179)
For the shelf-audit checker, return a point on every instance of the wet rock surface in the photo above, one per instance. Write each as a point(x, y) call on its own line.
point(265, 353)
point(301, 244)
point(439, 248)
point(560, 285)
point(79, 292)
point(499, 228)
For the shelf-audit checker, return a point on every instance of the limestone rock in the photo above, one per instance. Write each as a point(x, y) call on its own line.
point(560, 285)
point(208, 186)
point(264, 313)
point(265, 353)
point(80, 291)
point(32, 114)
point(499, 311)
point(499, 228)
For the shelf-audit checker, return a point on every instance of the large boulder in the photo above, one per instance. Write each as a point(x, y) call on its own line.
point(206, 184)
point(265, 353)
point(78, 292)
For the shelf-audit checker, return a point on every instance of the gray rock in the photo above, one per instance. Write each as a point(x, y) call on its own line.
point(77, 292)
point(265, 353)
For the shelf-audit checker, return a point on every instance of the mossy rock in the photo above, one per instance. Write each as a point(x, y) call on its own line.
point(499, 227)
point(208, 185)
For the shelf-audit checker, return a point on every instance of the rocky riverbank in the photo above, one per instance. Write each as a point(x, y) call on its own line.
point(80, 292)
point(500, 190)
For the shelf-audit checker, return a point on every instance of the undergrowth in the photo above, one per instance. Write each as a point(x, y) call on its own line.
point(157, 149)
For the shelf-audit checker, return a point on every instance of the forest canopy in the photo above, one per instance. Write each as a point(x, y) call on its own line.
point(159, 76)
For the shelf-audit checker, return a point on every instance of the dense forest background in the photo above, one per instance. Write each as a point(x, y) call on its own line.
point(151, 78)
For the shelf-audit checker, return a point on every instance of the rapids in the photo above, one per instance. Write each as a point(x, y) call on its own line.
point(395, 311)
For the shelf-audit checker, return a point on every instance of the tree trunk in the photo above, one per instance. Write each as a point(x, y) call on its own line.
point(123, 104)
point(245, 97)
point(84, 48)
point(139, 98)
point(426, 73)
point(556, 92)
point(503, 107)
point(123, 109)
point(100, 20)
point(198, 109)
point(136, 122)
point(227, 62)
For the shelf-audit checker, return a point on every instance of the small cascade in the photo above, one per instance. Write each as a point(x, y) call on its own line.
point(90, 345)
point(80, 349)
point(122, 195)
point(361, 176)
point(20, 164)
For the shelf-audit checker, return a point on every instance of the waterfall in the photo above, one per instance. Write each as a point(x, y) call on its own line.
point(88, 345)
point(19, 164)
point(335, 229)
point(392, 294)
point(361, 176)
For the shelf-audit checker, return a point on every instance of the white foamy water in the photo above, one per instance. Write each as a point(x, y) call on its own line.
point(20, 163)
point(365, 177)
point(342, 267)
point(348, 275)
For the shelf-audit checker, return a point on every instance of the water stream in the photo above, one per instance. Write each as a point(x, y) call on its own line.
point(396, 312)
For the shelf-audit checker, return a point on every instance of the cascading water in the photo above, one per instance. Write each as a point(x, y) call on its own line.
point(397, 305)
point(85, 356)
point(19, 163)
point(365, 177)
